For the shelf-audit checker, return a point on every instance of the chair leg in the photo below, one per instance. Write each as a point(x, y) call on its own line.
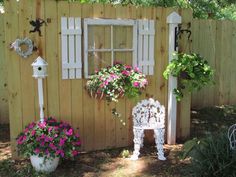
point(159, 139)
point(138, 135)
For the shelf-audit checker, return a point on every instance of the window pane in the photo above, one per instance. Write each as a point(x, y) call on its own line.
point(98, 60)
point(99, 37)
point(123, 57)
point(123, 37)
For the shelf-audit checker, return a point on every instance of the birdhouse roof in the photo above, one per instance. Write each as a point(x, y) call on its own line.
point(39, 62)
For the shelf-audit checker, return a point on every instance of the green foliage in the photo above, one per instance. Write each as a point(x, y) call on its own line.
point(192, 70)
point(210, 156)
point(125, 153)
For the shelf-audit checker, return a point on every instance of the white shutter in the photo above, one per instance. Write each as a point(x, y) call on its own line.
point(71, 48)
point(146, 34)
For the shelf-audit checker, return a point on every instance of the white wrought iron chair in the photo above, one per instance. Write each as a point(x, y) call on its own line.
point(232, 136)
point(148, 114)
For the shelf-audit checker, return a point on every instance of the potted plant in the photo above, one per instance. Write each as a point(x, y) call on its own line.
point(192, 70)
point(116, 81)
point(48, 141)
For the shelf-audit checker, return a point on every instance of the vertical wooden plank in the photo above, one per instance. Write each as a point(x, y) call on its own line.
point(52, 55)
point(130, 103)
point(4, 110)
point(64, 85)
point(110, 123)
point(13, 63)
point(185, 103)
point(232, 66)
point(195, 28)
point(121, 130)
point(99, 119)
point(140, 46)
point(88, 102)
point(27, 81)
point(38, 12)
point(77, 84)
point(225, 77)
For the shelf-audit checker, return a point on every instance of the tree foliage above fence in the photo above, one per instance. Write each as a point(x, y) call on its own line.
point(216, 9)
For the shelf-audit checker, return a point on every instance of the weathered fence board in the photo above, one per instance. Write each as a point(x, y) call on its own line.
point(3, 76)
point(67, 99)
point(215, 40)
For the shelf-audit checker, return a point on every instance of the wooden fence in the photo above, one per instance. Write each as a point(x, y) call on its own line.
point(4, 117)
point(67, 99)
point(216, 41)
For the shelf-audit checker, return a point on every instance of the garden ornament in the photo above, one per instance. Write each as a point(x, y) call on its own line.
point(37, 25)
point(148, 114)
point(40, 72)
point(232, 136)
point(18, 44)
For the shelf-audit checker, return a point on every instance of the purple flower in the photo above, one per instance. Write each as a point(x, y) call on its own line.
point(31, 125)
point(42, 143)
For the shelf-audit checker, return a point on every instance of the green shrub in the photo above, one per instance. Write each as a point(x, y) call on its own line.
point(210, 156)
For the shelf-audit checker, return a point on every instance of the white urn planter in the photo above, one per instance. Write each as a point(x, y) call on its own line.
point(42, 164)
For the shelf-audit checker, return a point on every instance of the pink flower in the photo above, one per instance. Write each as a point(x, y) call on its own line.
point(60, 152)
point(126, 73)
point(33, 132)
point(62, 142)
point(69, 132)
point(37, 151)
point(42, 143)
point(52, 146)
point(21, 139)
point(128, 67)
point(77, 135)
point(26, 130)
point(42, 125)
point(74, 152)
point(31, 125)
point(46, 151)
point(136, 84)
point(50, 129)
point(136, 69)
point(78, 143)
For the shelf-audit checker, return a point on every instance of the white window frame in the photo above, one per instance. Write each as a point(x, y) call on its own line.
point(112, 23)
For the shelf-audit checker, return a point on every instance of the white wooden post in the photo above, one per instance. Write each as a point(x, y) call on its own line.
point(173, 20)
point(40, 93)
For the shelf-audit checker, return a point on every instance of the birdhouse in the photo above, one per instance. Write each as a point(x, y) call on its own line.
point(39, 68)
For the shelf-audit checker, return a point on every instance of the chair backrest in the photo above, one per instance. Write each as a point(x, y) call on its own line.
point(232, 136)
point(149, 114)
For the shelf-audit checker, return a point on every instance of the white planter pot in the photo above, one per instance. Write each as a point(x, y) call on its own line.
point(44, 165)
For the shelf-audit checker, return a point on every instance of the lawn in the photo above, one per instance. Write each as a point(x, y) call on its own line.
point(111, 163)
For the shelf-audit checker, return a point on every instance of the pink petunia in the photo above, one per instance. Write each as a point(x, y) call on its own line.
point(52, 146)
point(62, 142)
point(136, 69)
point(136, 84)
point(75, 153)
point(69, 132)
point(126, 73)
point(37, 151)
point(33, 132)
point(60, 152)
point(78, 143)
point(42, 125)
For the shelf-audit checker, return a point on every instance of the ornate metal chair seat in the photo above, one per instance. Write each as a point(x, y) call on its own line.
point(148, 114)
